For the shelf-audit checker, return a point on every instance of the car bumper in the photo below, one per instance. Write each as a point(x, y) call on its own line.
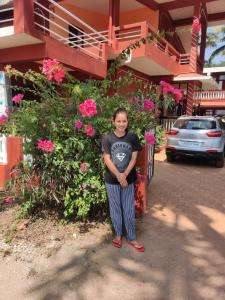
point(179, 152)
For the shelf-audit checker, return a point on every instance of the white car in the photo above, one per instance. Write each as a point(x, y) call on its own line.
point(202, 136)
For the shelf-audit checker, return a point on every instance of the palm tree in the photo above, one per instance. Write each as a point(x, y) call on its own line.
point(217, 35)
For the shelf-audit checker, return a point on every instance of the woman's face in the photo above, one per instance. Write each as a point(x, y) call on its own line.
point(121, 122)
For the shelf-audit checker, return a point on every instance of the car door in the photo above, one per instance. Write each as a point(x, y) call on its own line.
point(222, 126)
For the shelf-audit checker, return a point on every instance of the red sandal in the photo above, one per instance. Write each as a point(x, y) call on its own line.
point(117, 243)
point(138, 247)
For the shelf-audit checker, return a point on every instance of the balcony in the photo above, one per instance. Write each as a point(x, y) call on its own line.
point(31, 31)
point(158, 57)
point(210, 98)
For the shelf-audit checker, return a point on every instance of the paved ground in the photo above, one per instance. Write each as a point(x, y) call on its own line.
point(184, 235)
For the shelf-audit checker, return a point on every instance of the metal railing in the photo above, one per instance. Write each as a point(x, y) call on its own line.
point(56, 24)
point(184, 59)
point(167, 122)
point(6, 16)
point(150, 170)
point(209, 95)
point(137, 31)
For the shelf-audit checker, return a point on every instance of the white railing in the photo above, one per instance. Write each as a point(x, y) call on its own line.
point(7, 19)
point(209, 95)
point(56, 24)
point(3, 150)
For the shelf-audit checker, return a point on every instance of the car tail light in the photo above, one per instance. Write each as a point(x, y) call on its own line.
point(173, 132)
point(214, 133)
point(210, 151)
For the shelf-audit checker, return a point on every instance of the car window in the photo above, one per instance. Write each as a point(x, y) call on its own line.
point(197, 124)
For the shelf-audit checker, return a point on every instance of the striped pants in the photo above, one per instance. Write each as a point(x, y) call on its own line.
point(121, 205)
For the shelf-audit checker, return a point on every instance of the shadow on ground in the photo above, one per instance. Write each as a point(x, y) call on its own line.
point(184, 235)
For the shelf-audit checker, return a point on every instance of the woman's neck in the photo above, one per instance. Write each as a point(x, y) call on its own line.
point(119, 133)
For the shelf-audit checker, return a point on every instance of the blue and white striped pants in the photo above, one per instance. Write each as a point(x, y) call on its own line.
point(121, 205)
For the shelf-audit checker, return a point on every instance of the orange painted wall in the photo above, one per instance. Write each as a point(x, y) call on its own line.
point(96, 20)
point(140, 15)
point(100, 21)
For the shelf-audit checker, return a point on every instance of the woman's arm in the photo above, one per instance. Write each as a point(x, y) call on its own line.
point(121, 177)
point(131, 163)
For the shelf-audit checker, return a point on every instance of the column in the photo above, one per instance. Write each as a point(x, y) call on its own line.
point(114, 17)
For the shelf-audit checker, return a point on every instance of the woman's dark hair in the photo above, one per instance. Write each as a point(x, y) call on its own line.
point(119, 111)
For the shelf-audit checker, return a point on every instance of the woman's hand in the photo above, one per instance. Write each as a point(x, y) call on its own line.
point(121, 177)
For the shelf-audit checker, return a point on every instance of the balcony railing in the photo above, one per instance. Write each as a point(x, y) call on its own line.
point(209, 95)
point(53, 20)
point(134, 32)
point(6, 19)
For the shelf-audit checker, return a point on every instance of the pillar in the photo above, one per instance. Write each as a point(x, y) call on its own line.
point(114, 17)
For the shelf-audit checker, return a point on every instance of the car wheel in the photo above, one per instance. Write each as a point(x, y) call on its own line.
point(170, 158)
point(220, 162)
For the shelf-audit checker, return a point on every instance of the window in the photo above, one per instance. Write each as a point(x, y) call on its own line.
point(195, 124)
point(76, 36)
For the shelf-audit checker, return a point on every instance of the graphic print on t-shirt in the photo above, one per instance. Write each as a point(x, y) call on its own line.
point(121, 155)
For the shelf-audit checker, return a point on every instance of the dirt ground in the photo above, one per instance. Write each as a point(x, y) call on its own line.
point(183, 232)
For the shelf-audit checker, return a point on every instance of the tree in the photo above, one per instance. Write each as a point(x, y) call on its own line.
point(217, 35)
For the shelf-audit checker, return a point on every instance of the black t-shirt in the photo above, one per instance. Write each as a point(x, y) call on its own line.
point(120, 150)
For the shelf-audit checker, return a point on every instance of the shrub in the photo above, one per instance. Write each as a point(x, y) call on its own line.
point(62, 124)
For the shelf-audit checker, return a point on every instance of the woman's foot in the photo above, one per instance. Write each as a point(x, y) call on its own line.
point(138, 247)
point(117, 241)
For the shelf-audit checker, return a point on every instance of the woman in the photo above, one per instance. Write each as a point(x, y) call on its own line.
point(120, 149)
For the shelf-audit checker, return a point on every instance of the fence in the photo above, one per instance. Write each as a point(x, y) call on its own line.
point(150, 171)
point(167, 122)
point(3, 150)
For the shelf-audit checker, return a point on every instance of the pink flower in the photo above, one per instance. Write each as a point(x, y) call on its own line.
point(49, 65)
point(45, 145)
point(148, 104)
point(3, 119)
point(9, 200)
point(89, 130)
point(141, 177)
point(78, 124)
point(178, 94)
point(59, 75)
point(88, 108)
point(150, 139)
point(196, 25)
point(18, 98)
point(92, 186)
point(84, 167)
point(49, 77)
point(167, 88)
point(53, 69)
point(84, 186)
point(7, 111)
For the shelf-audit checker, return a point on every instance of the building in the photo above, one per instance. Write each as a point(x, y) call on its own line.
point(85, 35)
point(211, 100)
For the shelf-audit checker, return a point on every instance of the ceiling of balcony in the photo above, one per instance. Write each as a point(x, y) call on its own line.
point(176, 8)
point(102, 6)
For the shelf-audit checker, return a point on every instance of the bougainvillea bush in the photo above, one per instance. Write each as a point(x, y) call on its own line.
point(62, 125)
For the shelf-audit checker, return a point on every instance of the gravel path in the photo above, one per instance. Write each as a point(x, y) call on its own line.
point(184, 235)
